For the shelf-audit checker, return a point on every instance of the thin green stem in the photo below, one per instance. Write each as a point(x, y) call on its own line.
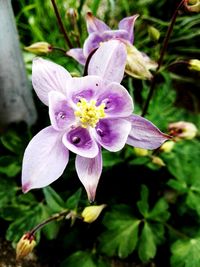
point(62, 28)
point(178, 233)
point(162, 53)
point(88, 61)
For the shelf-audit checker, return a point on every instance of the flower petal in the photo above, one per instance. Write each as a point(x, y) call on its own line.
point(84, 87)
point(60, 112)
point(79, 141)
point(48, 76)
point(118, 102)
point(127, 24)
point(44, 160)
point(112, 133)
point(91, 43)
point(77, 54)
point(94, 24)
point(109, 61)
point(145, 134)
point(89, 172)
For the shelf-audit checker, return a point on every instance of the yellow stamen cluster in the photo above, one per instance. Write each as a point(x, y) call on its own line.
point(88, 113)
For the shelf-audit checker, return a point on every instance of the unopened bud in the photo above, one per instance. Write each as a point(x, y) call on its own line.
point(154, 34)
point(194, 64)
point(71, 12)
point(167, 146)
point(91, 213)
point(25, 245)
point(140, 152)
point(158, 161)
point(192, 5)
point(182, 130)
point(138, 64)
point(39, 48)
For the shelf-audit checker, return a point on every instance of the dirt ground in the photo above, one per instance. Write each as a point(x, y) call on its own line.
point(7, 257)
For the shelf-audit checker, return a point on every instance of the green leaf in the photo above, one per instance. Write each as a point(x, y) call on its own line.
point(122, 234)
point(51, 229)
point(7, 191)
point(73, 201)
point(110, 159)
point(9, 165)
point(142, 204)
point(54, 201)
point(186, 253)
point(193, 200)
point(79, 259)
point(160, 211)
point(147, 245)
point(24, 223)
point(12, 142)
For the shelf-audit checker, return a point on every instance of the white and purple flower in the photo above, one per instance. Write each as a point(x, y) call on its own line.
point(86, 114)
point(100, 32)
point(138, 63)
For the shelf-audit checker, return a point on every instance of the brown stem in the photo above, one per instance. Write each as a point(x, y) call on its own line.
point(62, 29)
point(50, 219)
point(162, 53)
point(88, 61)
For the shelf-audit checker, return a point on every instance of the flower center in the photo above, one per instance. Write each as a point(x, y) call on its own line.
point(88, 113)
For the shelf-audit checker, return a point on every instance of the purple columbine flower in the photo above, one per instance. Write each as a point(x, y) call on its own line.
point(138, 63)
point(100, 32)
point(86, 114)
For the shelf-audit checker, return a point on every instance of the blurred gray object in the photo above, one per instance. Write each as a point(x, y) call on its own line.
point(16, 103)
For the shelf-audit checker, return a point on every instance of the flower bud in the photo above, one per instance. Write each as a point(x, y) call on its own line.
point(140, 152)
point(138, 64)
point(194, 64)
point(182, 130)
point(25, 245)
point(167, 146)
point(91, 213)
point(192, 5)
point(154, 34)
point(158, 161)
point(39, 48)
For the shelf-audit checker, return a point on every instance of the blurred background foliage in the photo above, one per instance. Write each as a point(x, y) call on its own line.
point(153, 199)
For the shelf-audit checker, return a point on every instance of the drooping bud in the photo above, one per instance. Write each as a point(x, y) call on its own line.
point(192, 5)
point(25, 246)
point(194, 64)
point(39, 48)
point(158, 161)
point(138, 64)
point(167, 146)
point(91, 213)
point(154, 34)
point(140, 152)
point(182, 130)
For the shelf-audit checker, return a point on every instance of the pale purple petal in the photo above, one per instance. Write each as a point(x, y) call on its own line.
point(91, 43)
point(85, 87)
point(109, 61)
point(44, 160)
point(48, 76)
point(60, 112)
point(95, 39)
point(127, 24)
point(118, 102)
point(145, 134)
point(77, 54)
point(79, 141)
point(112, 133)
point(115, 34)
point(89, 172)
point(94, 24)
